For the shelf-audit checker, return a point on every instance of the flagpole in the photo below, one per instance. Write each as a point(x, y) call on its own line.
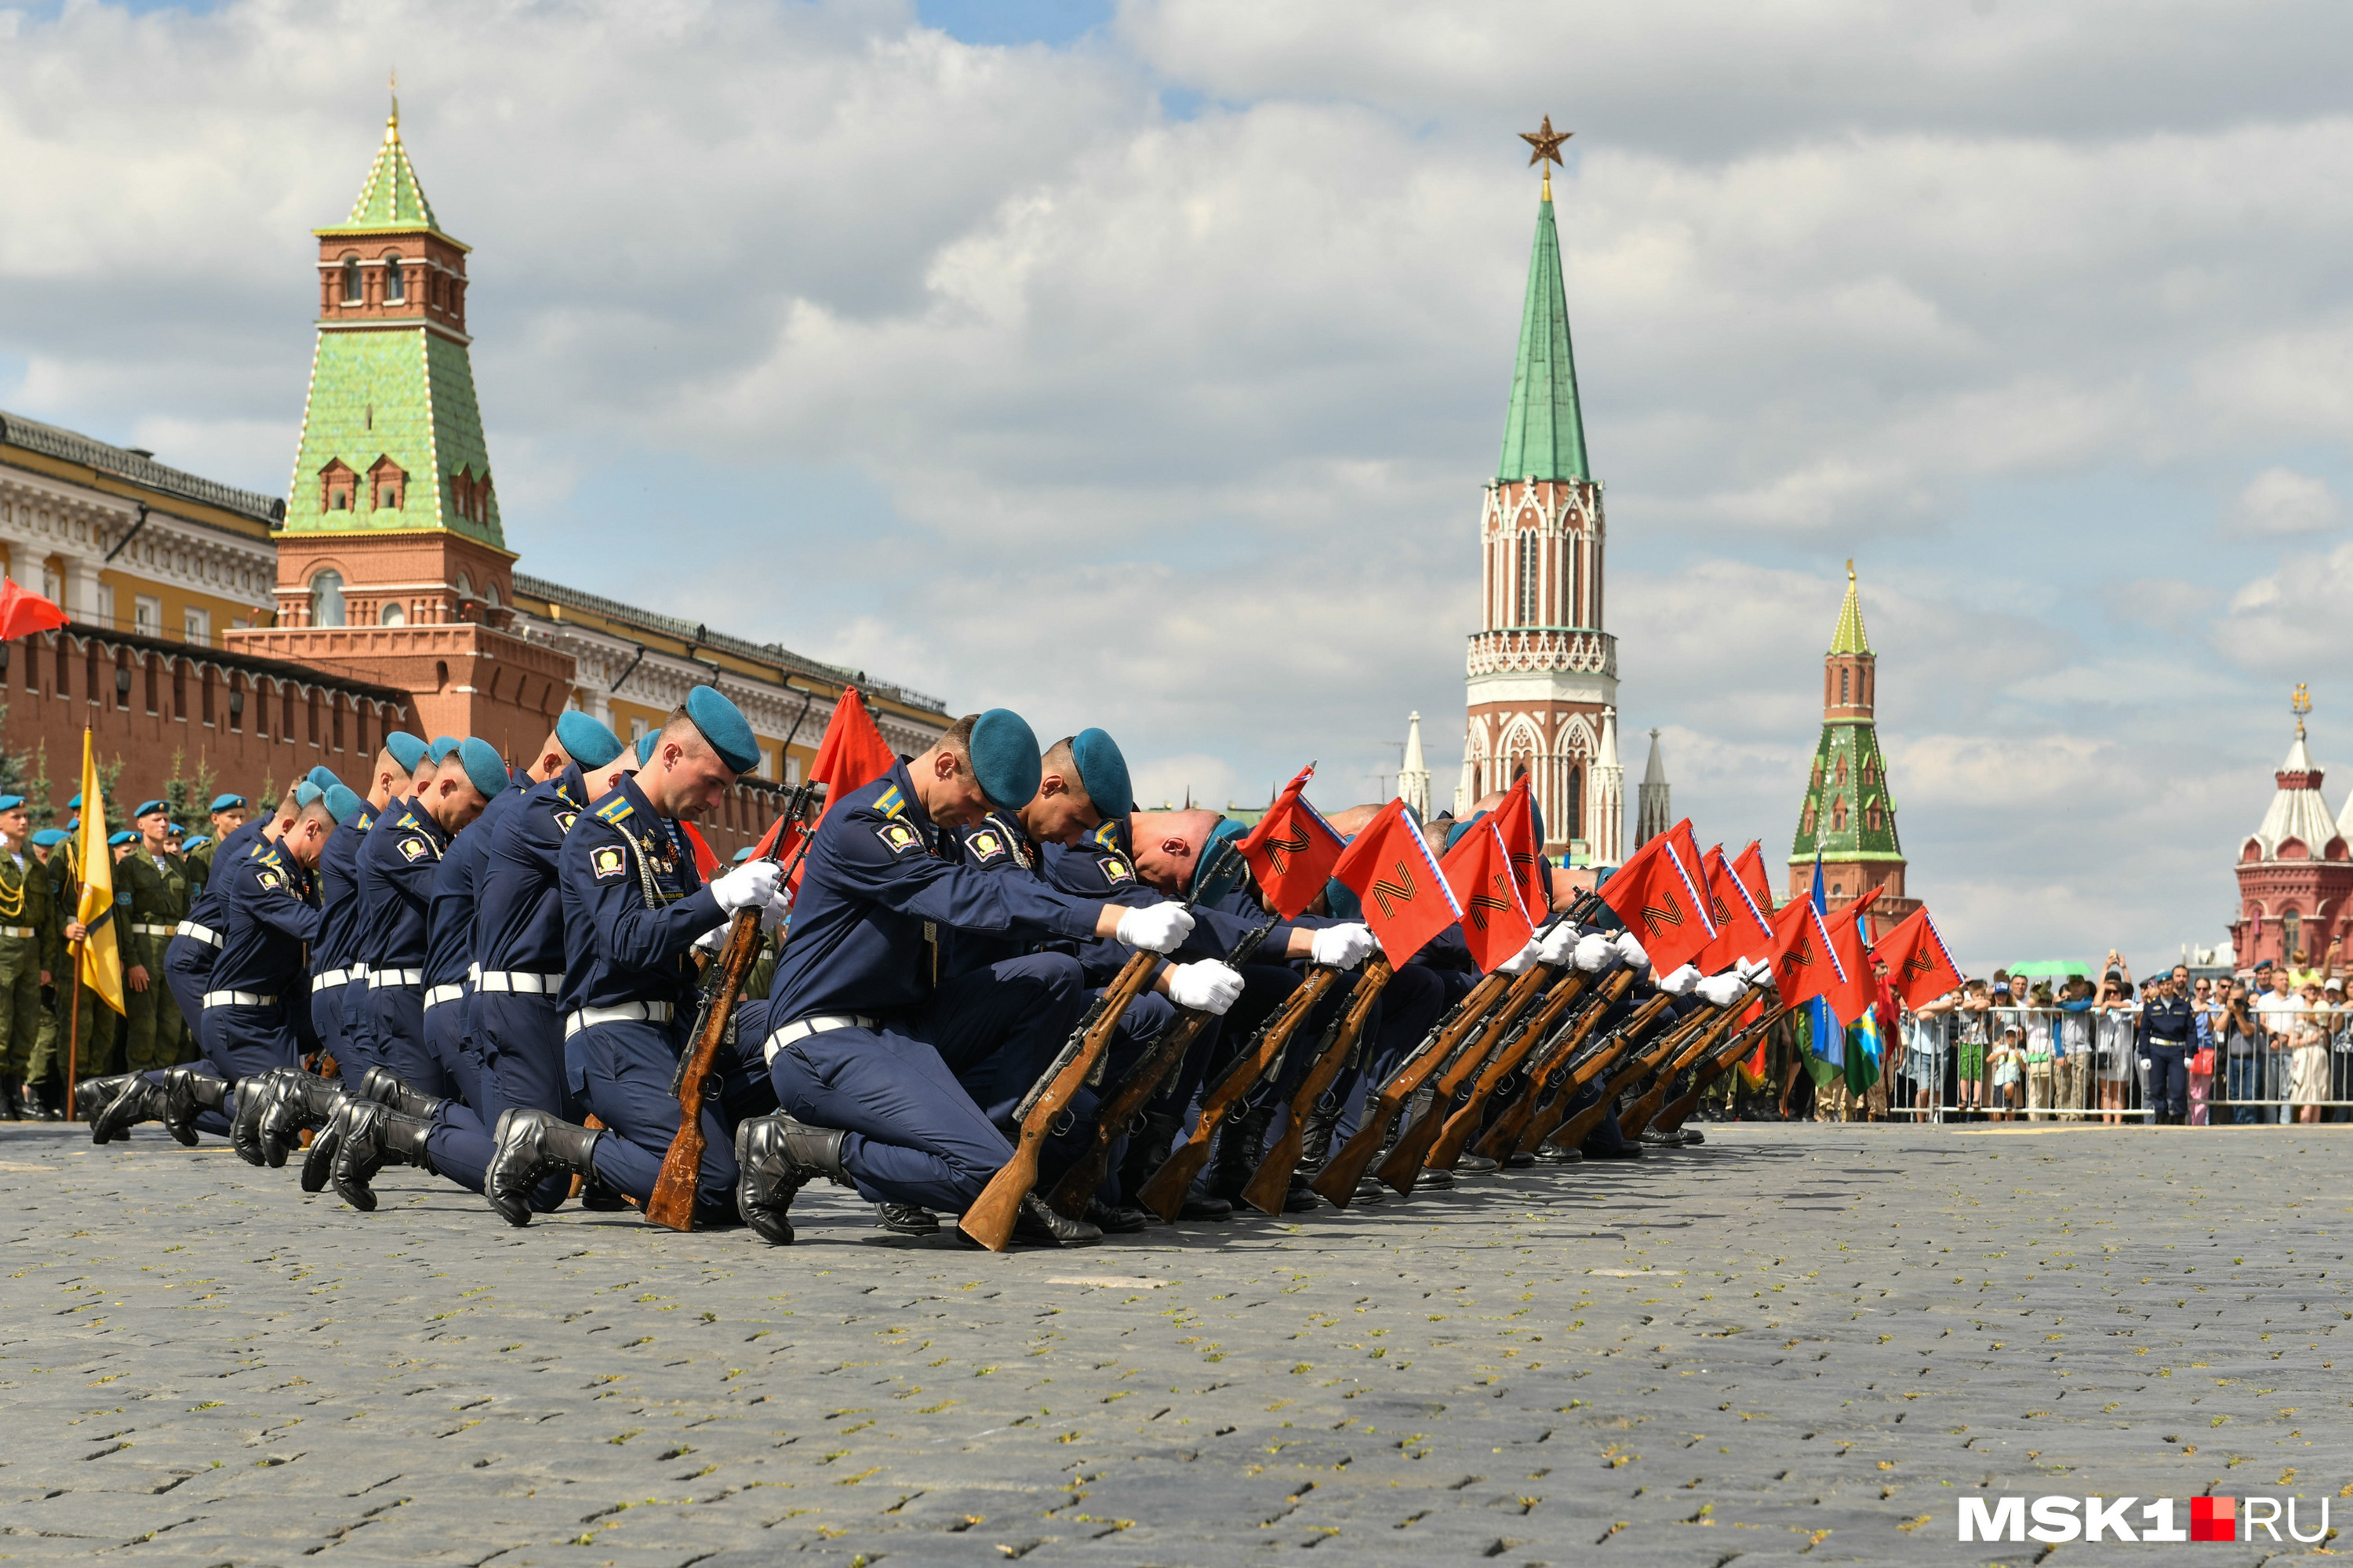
point(73, 1029)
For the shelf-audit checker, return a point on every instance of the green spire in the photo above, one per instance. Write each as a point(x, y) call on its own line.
point(1849, 638)
point(391, 199)
point(1544, 435)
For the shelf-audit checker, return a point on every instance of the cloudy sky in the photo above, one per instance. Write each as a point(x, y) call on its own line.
point(1140, 363)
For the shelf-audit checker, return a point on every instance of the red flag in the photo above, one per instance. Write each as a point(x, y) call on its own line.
point(1750, 869)
point(1743, 931)
point(1920, 968)
point(852, 752)
point(1804, 963)
point(1390, 868)
point(706, 862)
point(1685, 849)
point(23, 612)
point(1660, 903)
point(1294, 851)
point(1481, 871)
point(1516, 819)
point(1857, 991)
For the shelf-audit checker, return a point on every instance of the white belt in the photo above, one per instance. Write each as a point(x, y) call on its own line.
point(203, 934)
point(816, 1024)
point(239, 999)
point(441, 994)
point(520, 982)
point(627, 1012)
point(145, 929)
point(359, 972)
point(327, 979)
point(22, 933)
point(397, 977)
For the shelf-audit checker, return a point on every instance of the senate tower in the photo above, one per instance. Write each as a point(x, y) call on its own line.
point(1542, 674)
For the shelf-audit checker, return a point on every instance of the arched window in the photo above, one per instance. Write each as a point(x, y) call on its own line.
point(1571, 559)
point(1530, 569)
point(395, 282)
point(465, 586)
point(1576, 823)
point(327, 598)
point(355, 288)
point(392, 614)
point(1842, 686)
point(490, 593)
point(2292, 930)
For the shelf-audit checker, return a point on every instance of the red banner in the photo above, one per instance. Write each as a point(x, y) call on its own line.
point(1920, 968)
point(1514, 817)
point(1804, 963)
point(1389, 867)
point(1661, 905)
point(1743, 931)
point(1293, 849)
point(1482, 873)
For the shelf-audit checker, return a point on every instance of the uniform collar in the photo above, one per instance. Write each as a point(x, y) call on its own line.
point(572, 787)
point(911, 805)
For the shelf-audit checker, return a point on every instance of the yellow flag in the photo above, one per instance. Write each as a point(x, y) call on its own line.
point(101, 954)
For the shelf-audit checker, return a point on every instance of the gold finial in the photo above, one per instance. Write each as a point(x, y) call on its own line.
point(2300, 705)
point(392, 126)
point(1544, 148)
point(1850, 571)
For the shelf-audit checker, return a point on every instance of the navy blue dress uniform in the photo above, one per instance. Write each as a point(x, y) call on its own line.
point(2164, 1038)
point(269, 916)
point(195, 947)
point(449, 965)
point(338, 968)
point(868, 1035)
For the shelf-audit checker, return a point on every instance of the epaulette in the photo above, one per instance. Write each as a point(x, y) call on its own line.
point(267, 856)
point(615, 810)
point(891, 802)
point(364, 821)
point(409, 820)
point(1106, 834)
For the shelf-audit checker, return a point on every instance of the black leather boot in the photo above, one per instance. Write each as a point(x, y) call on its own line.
point(372, 1136)
point(380, 1085)
point(1241, 1143)
point(1316, 1139)
point(12, 1101)
point(906, 1219)
point(137, 1099)
point(186, 1093)
point(1147, 1150)
point(92, 1096)
point(253, 1098)
point(298, 1101)
point(1123, 1221)
point(1041, 1226)
point(775, 1156)
point(531, 1146)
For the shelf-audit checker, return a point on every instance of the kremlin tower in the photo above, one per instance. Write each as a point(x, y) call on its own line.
point(2295, 870)
point(1849, 814)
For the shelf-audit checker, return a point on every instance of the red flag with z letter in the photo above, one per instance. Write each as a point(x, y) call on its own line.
point(1390, 868)
point(1514, 817)
point(1920, 968)
point(1483, 874)
point(1293, 849)
point(1805, 965)
point(1743, 931)
point(1660, 903)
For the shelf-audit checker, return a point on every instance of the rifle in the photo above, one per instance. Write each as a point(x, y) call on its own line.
point(1698, 1044)
point(1518, 1046)
point(1164, 1193)
point(1500, 1139)
point(671, 1203)
point(989, 1220)
point(1403, 1166)
point(1574, 1129)
point(1725, 1057)
point(1341, 1173)
point(1564, 1076)
point(1121, 1110)
point(1272, 1181)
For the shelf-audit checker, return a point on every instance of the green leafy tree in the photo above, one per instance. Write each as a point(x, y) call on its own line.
point(187, 795)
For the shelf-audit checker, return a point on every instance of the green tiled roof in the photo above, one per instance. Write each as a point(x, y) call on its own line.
point(399, 392)
point(391, 198)
point(1849, 814)
point(1849, 637)
point(1544, 434)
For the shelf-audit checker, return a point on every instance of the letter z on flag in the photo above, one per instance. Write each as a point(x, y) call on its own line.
point(1804, 964)
point(1293, 851)
point(1480, 870)
point(1390, 868)
point(1661, 905)
point(1920, 968)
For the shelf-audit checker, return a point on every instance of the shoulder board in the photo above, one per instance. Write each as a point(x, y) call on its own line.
point(364, 821)
point(266, 855)
point(615, 810)
point(408, 820)
point(1106, 835)
point(892, 802)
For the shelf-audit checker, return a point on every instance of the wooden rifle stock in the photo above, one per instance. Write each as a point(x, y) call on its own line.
point(1516, 1049)
point(1575, 1130)
point(673, 1201)
point(1403, 1167)
point(990, 1221)
point(1721, 1061)
point(1272, 1181)
point(1697, 1043)
point(1119, 1110)
point(1164, 1193)
point(1341, 1173)
point(1503, 1139)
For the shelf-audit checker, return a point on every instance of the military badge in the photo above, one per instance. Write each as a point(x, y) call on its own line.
point(1116, 870)
point(608, 863)
point(987, 846)
point(415, 848)
point(564, 821)
point(271, 879)
point(899, 838)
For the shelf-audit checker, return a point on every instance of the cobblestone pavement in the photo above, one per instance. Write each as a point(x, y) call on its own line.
point(1794, 1341)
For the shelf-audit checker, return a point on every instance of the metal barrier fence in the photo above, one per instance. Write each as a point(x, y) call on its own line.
point(2051, 1065)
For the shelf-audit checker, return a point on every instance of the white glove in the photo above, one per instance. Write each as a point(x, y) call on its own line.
point(1681, 982)
point(1723, 990)
point(1559, 945)
point(1340, 946)
point(1523, 960)
point(1206, 987)
point(1756, 971)
point(780, 909)
point(1156, 927)
point(1631, 951)
point(710, 941)
point(748, 887)
point(1595, 952)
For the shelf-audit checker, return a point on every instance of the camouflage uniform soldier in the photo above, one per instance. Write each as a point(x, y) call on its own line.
point(228, 813)
point(157, 885)
point(29, 944)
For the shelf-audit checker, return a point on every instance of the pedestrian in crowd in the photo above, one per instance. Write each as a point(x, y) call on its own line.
point(2308, 1053)
point(2164, 1044)
point(1926, 1028)
point(2203, 1011)
point(1971, 1024)
point(2041, 1075)
point(2275, 1011)
point(2340, 1048)
point(2118, 1021)
point(2008, 1057)
point(2242, 1036)
point(2074, 1048)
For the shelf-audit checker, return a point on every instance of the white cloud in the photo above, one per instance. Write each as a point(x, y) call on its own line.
point(2280, 501)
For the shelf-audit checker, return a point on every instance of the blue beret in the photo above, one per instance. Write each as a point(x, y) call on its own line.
point(1343, 901)
point(406, 749)
point(50, 838)
point(117, 840)
point(74, 804)
point(646, 743)
point(723, 726)
point(1458, 828)
point(305, 792)
point(741, 855)
point(343, 804)
point(10, 802)
point(587, 741)
point(194, 844)
point(1103, 771)
point(179, 828)
point(147, 806)
point(324, 778)
point(485, 769)
point(226, 803)
point(443, 744)
point(73, 822)
point(1220, 868)
point(1005, 759)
